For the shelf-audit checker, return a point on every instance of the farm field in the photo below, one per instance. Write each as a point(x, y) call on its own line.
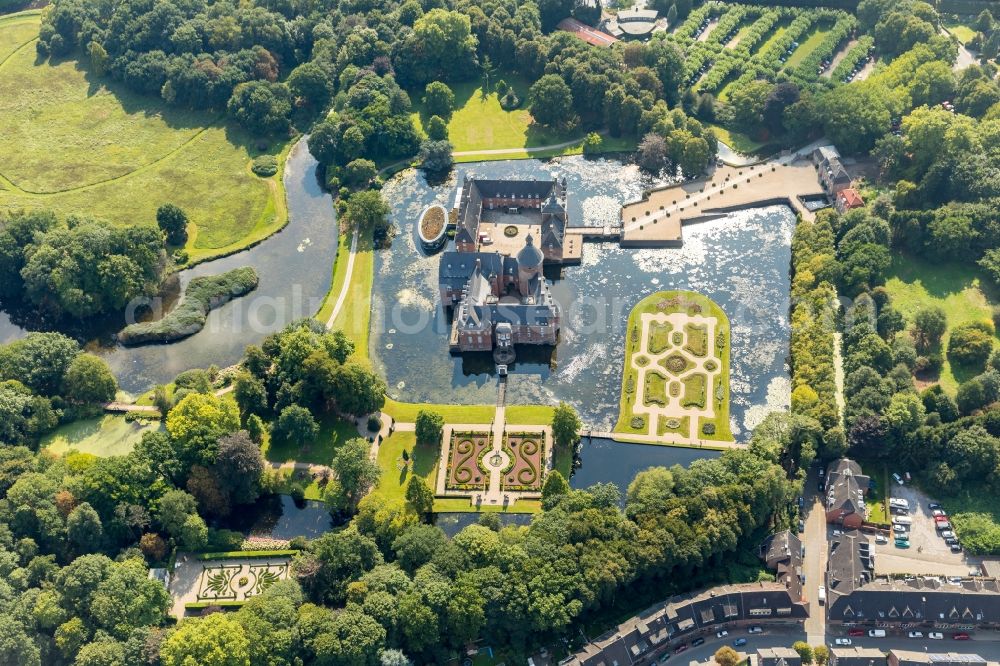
point(914, 283)
point(119, 156)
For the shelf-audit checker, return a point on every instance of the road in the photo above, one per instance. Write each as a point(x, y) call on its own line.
point(814, 564)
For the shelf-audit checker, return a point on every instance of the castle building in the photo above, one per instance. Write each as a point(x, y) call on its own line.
point(506, 230)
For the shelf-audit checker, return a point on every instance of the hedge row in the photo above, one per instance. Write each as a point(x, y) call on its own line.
point(202, 605)
point(732, 60)
point(694, 20)
point(203, 294)
point(841, 31)
point(729, 23)
point(857, 53)
point(245, 554)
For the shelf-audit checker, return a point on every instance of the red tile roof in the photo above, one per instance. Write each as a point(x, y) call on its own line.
point(586, 33)
point(850, 198)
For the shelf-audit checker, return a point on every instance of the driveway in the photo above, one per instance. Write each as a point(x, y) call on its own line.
point(814, 565)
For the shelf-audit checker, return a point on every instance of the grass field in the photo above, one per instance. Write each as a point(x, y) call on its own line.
point(480, 123)
point(914, 283)
point(78, 143)
point(964, 33)
point(808, 45)
point(875, 498)
point(16, 30)
point(421, 460)
point(101, 436)
point(738, 141)
point(333, 432)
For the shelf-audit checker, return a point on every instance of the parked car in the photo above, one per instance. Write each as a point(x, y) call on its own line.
point(881, 538)
point(698, 641)
point(947, 533)
point(933, 505)
point(935, 635)
point(755, 629)
point(897, 478)
point(937, 512)
point(915, 634)
point(902, 543)
point(680, 648)
point(943, 527)
point(821, 486)
point(961, 636)
point(951, 541)
point(739, 642)
point(900, 529)
point(821, 597)
point(956, 547)
point(822, 472)
point(842, 641)
point(838, 533)
point(802, 502)
point(957, 580)
point(721, 634)
point(856, 632)
point(941, 519)
point(876, 633)
point(802, 526)
point(665, 658)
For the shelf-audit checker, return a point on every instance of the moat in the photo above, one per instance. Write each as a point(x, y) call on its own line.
point(739, 261)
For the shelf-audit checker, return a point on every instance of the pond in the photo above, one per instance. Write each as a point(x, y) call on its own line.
point(740, 261)
point(294, 266)
point(279, 517)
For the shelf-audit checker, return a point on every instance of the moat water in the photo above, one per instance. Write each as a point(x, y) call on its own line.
point(740, 261)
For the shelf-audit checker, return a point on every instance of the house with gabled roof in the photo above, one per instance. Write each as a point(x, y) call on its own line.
point(846, 487)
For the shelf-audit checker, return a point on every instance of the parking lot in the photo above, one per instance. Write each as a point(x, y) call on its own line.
point(928, 553)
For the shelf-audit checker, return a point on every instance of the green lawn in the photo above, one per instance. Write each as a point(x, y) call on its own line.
point(738, 141)
point(333, 432)
point(16, 30)
point(808, 45)
point(964, 33)
point(421, 460)
point(75, 142)
point(480, 123)
point(101, 436)
point(875, 498)
point(960, 289)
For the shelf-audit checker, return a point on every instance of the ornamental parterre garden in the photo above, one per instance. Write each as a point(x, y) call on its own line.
point(675, 386)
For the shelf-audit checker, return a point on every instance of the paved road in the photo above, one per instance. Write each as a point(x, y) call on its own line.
point(814, 564)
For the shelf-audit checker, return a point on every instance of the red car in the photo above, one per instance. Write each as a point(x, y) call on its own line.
point(680, 648)
point(856, 632)
point(960, 637)
point(941, 519)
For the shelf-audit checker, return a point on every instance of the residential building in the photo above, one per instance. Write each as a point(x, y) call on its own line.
point(778, 656)
point(846, 487)
point(848, 199)
point(921, 658)
point(645, 637)
point(856, 656)
point(783, 553)
point(833, 176)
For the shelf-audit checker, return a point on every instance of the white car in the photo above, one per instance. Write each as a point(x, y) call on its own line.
point(842, 641)
point(938, 512)
point(900, 529)
point(881, 538)
point(915, 634)
point(721, 634)
point(755, 630)
point(947, 533)
point(935, 636)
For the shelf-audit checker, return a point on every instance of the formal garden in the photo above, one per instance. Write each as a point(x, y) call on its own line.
point(226, 579)
point(466, 471)
point(677, 353)
point(524, 472)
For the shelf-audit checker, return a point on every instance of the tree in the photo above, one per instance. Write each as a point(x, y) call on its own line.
point(261, 106)
point(417, 545)
point(102, 652)
point(439, 100)
point(552, 102)
point(128, 599)
point(555, 486)
point(84, 529)
point(437, 129)
point(38, 361)
point(216, 640)
point(357, 389)
point(566, 426)
point(310, 83)
point(780, 98)
point(88, 380)
point(394, 658)
point(821, 654)
point(174, 508)
point(356, 472)
point(360, 172)
point(173, 223)
point(929, 325)
point(366, 210)
point(652, 153)
point(250, 394)
point(804, 651)
point(295, 425)
point(98, 58)
point(970, 344)
point(239, 467)
point(726, 656)
point(592, 144)
point(419, 495)
point(441, 47)
point(429, 426)
point(436, 156)
point(197, 423)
